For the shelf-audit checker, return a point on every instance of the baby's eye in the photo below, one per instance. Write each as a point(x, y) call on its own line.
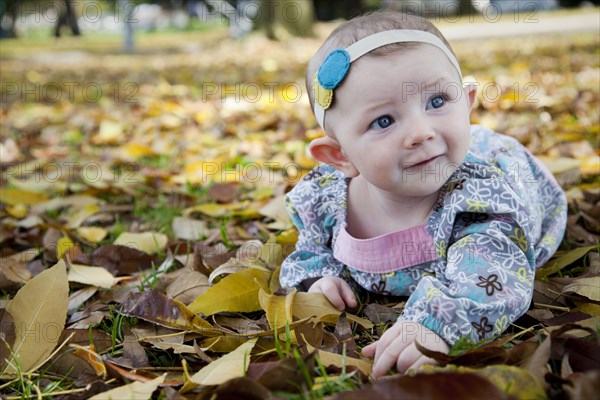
point(382, 122)
point(436, 102)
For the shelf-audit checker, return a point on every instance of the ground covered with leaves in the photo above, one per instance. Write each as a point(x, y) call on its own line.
point(142, 225)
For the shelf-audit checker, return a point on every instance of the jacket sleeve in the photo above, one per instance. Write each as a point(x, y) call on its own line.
point(487, 282)
point(313, 205)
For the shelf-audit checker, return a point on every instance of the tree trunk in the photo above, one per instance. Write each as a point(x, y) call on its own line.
point(66, 17)
point(283, 18)
point(465, 7)
point(8, 8)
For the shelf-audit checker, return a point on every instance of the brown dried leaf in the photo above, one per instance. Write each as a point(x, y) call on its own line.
point(427, 386)
point(282, 375)
point(121, 260)
point(155, 307)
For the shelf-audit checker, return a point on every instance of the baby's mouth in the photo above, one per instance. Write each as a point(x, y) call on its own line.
point(424, 162)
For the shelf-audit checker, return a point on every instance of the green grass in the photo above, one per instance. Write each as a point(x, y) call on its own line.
point(159, 215)
point(42, 41)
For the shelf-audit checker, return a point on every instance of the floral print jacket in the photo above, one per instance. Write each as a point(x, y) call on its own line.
point(469, 270)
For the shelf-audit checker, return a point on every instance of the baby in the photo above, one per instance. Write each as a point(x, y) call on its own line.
point(411, 200)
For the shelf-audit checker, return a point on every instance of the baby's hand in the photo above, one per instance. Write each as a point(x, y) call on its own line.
point(397, 347)
point(337, 291)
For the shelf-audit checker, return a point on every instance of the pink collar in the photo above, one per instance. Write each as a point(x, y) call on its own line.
point(386, 253)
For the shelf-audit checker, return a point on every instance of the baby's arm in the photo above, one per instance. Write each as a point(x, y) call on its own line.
point(312, 206)
point(397, 347)
point(337, 291)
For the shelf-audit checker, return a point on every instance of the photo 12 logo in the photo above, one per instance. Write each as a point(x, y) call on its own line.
point(73, 92)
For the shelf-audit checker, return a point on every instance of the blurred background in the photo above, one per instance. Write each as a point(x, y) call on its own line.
point(34, 18)
point(167, 90)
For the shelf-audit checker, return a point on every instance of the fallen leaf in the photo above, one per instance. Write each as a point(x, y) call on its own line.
point(155, 307)
point(587, 287)
point(14, 268)
point(283, 375)
point(68, 364)
point(584, 385)
point(148, 242)
point(242, 388)
point(232, 365)
point(95, 276)
point(316, 305)
point(340, 361)
point(79, 216)
point(189, 229)
point(92, 234)
point(78, 297)
point(14, 196)
point(132, 391)
point(187, 286)
point(39, 311)
point(110, 132)
point(89, 355)
point(217, 210)
point(278, 309)
point(237, 292)
point(427, 386)
point(121, 260)
point(555, 265)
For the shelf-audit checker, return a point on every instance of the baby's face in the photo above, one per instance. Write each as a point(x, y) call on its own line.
point(403, 120)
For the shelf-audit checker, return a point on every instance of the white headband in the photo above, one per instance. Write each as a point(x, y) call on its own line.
point(336, 65)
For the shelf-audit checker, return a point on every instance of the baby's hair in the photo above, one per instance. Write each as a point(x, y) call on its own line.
point(358, 28)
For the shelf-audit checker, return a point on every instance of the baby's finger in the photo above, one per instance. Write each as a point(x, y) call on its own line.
point(408, 358)
point(384, 362)
point(422, 361)
point(334, 298)
point(348, 294)
point(369, 350)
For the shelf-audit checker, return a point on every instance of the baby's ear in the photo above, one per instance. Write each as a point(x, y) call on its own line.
point(470, 91)
point(328, 150)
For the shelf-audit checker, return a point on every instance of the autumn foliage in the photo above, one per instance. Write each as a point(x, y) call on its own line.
point(143, 225)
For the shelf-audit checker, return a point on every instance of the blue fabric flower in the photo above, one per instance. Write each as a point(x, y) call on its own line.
point(334, 69)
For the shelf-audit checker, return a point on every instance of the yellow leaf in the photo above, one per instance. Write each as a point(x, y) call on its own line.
point(134, 151)
point(316, 305)
point(558, 263)
point(14, 196)
point(232, 365)
point(132, 391)
point(93, 359)
point(79, 216)
point(222, 344)
point(63, 245)
point(17, 211)
point(203, 171)
point(328, 358)
point(148, 242)
point(92, 234)
point(95, 276)
point(278, 309)
point(237, 292)
point(271, 253)
point(590, 165)
point(39, 312)
point(109, 133)
point(217, 210)
point(288, 238)
point(588, 308)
